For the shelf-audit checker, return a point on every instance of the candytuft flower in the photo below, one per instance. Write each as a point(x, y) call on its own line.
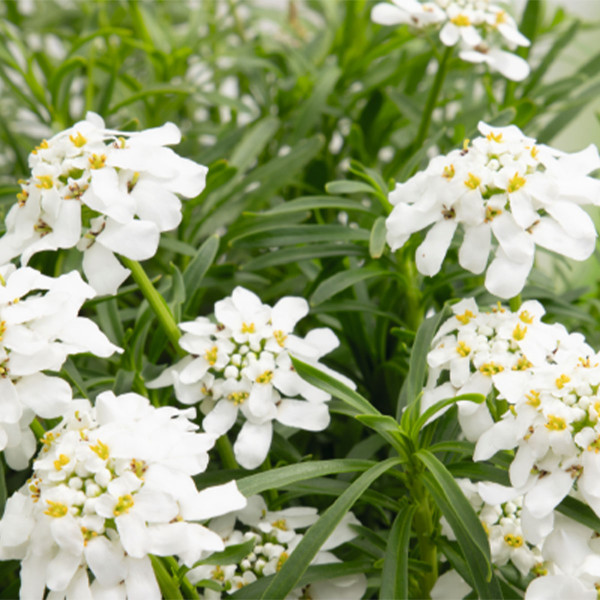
point(103, 191)
point(502, 186)
point(111, 485)
point(240, 366)
point(478, 27)
point(39, 329)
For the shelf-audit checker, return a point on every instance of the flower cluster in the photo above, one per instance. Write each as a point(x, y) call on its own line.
point(547, 404)
point(39, 328)
point(502, 186)
point(104, 192)
point(112, 485)
point(478, 26)
point(241, 364)
point(275, 538)
point(565, 563)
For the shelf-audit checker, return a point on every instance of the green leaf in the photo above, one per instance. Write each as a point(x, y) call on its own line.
point(176, 246)
point(377, 240)
point(148, 92)
point(293, 568)
point(343, 280)
point(275, 478)
point(465, 524)
point(306, 203)
point(3, 490)
point(349, 187)
point(382, 423)
point(231, 555)
point(438, 406)
point(166, 582)
point(580, 512)
point(394, 577)
point(254, 142)
point(334, 387)
point(418, 360)
point(199, 265)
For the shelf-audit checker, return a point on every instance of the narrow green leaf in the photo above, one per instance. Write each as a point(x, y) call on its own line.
point(377, 240)
point(3, 491)
point(465, 524)
point(177, 246)
point(167, 584)
point(383, 423)
point(418, 360)
point(275, 478)
point(438, 406)
point(349, 187)
point(293, 568)
point(149, 91)
point(580, 512)
point(343, 280)
point(335, 387)
point(231, 555)
point(306, 203)
point(199, 265)
point(254, 142)
point(394, 577)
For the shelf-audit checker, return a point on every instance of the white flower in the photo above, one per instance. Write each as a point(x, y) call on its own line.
point(478, 26)
point(241, 366)
point(112, 485)
point(275, 539)
point(505, 187)
point(103, 191)
point(39, 329)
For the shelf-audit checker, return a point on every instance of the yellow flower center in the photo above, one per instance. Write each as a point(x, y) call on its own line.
point(280, 337)
point(472, 182)
point(280, 524)
point(491, 368)
point(449, 172)
point(556, 423)
point(56, 509)
point(515, 183)
point(100, 449)
point(97, 162)
point(463, 349)
point(123, 505)
point(494, 137)
point(282, 558)
point(526, 317)
point(533, 398)
point(522, 364)
point(491, 213)
point(45, 182)
point(211, 355)
point(461, 20)
point(265, 377)
point(62, 460)
point(43, 146)
point(78, 140)
point(465, 317)
point(22, 197)
point(519, 332)
point(515, 541)
point(88, 534)
point(238, 397)
point(218, 574)
point(248, 328)
point(138, 467)
point(562, 380)
point(594, 446)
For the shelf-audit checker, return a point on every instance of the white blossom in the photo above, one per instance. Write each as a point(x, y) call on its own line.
point(39, 329)
point(501, 187)
point(275, 538)
point(479, 27)
point(103, 191)
point(111, 485)
point(240, 367)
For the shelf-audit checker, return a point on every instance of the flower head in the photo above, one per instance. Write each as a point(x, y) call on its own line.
point(39, 329)
point(111, 485)
point(504, 187)
point(479, 27)
point(103, 191)
point(241, 366)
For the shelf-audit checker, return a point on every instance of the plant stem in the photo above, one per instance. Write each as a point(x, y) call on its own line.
point(432, 99)
point(38, 429)
point(156, 301)
point(515, 303)
point(225, 451)
point(424, 529)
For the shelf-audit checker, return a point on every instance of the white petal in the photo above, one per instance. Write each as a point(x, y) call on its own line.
point(132, 531)
point(252, 444)
point(137, 240)
point(106, 560)
point(10, 407)
point(221, 418)
point(141, 582)
point(217, 500)
point(61, 569)
point(475, 249)
point(431, 252)
point(310, 416)
point(157, 205)
point(104, 272)
point(505, 278)
point(516, 243)
point(449, 35)
point(47, 396)
point(577, 242)
point(387, 14)
point(287, 312)
point(547, 493)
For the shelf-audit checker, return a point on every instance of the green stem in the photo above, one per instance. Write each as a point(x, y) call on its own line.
point(38, 429)
point(225, 451)
point(156, 301)
point(433, 97)
point(515, 303)
point(424, 527)
point(413, 299)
